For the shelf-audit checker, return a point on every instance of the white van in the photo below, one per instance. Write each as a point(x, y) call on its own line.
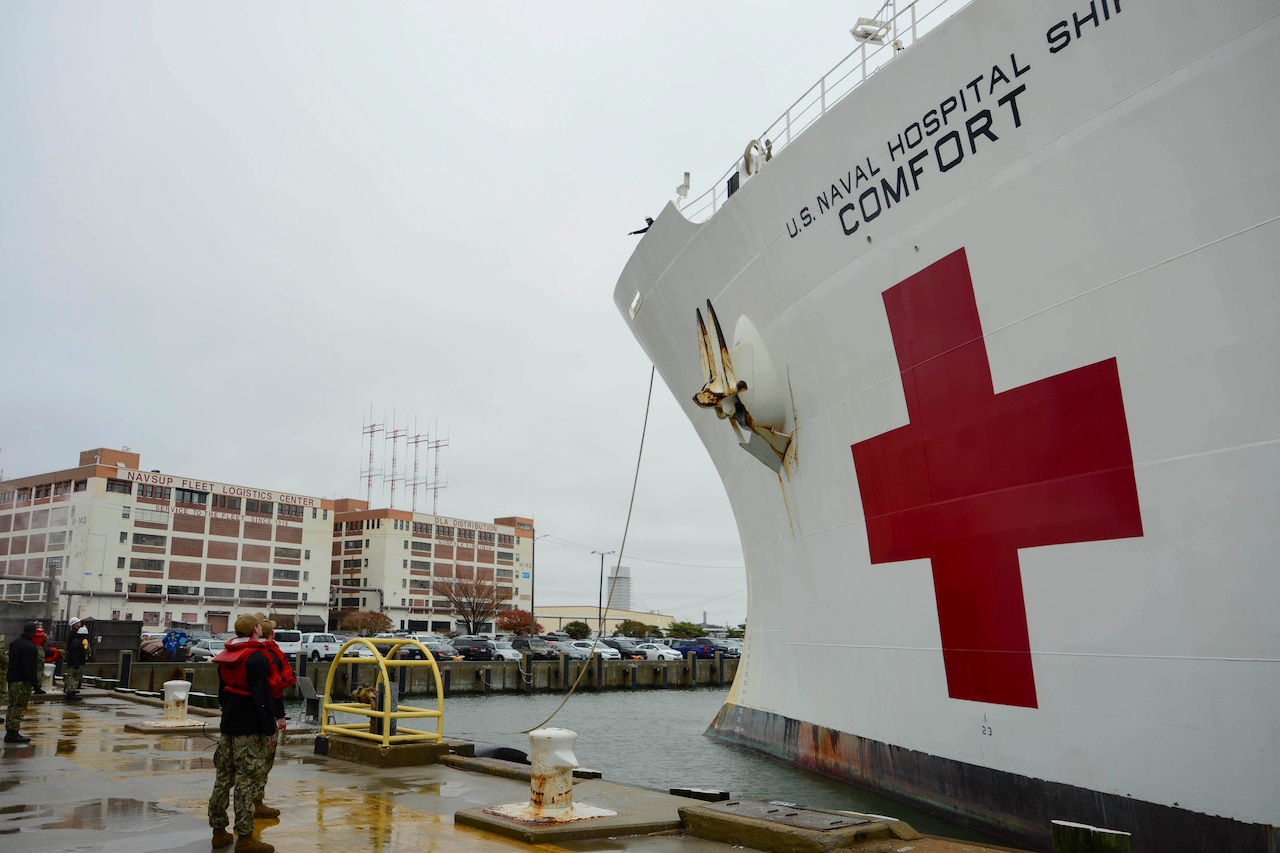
point(290, 642)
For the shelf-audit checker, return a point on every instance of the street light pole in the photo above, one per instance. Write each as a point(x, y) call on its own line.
point(600, 595)
point(533, 581)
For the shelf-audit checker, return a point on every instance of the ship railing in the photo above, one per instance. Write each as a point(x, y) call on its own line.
point(905, 22)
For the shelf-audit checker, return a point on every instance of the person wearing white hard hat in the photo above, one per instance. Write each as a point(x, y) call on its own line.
point(77, 654)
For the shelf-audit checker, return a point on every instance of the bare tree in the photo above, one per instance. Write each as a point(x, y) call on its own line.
point(475, 601)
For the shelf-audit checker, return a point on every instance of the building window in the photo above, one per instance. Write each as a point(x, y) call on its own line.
point(253, 593)
point(124, 536)
point(406, 544)
point(81, 485)
point(124, 512)
point(151, 617)
point(506, 555)
point(289, 553)
point(140, 565)
point(419, 583)
point(505, 574)
point(53, 563)
point(326, 515)
point(284, 596)
point(352, 545)
point(191, 496)
point(419, 564)
point(404, 564)
point(58, 537)
point(219, 592)
point(160, 493)
point(285, 574)
point(306, 555)
point(150, 540)
point(119, 564)
point(120, 487)
point(184, 590)
point(119, 584)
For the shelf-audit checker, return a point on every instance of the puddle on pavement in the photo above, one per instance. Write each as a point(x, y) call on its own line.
point(115, 814)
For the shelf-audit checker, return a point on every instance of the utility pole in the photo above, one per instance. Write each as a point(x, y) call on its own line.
point(600, 596)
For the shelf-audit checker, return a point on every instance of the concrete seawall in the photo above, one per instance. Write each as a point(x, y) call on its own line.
point(459, 677)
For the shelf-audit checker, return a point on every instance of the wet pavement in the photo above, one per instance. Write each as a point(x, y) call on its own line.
point(84, 783)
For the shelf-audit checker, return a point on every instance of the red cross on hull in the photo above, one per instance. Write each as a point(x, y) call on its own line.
point(975, 475)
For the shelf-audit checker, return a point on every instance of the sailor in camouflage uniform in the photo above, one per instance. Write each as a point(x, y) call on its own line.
point(77, 654)
point(248, 736)
point(23, 678)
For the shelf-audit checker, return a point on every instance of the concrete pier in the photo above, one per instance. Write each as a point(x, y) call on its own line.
point(86, 783)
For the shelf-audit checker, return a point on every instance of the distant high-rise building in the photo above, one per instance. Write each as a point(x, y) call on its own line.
point(621, 598)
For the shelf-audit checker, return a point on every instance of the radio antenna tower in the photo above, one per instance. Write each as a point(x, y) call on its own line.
point(371, 429)
point(394, 437)
point(435, 484)
point(417, 440)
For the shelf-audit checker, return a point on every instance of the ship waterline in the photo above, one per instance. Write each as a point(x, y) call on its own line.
point(1012, 302)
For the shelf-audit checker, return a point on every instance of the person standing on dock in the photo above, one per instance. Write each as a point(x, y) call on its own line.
point(248, 735)
point(25, 671)
point(77, 654)
point(281, 678)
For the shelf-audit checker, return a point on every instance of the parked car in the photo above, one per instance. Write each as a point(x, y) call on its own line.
point(503, 650)
point(474, 648)
point(538, 648)
point(653, 651)
point(626, 648)
point(359, 650)
point(289, 641)
point(698, 647)
point(725, 647)
point(567, 648)
point(319, 646)
point(205, 649)
point(442, 650)
point(605, 651)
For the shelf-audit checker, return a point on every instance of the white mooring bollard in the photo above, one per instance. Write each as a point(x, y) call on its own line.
point(175, 702)
point(551, 754)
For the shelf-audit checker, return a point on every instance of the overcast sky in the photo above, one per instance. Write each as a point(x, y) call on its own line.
point(228, 230)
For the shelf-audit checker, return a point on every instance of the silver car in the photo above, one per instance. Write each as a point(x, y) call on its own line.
point(606, 652)
point(205, 649)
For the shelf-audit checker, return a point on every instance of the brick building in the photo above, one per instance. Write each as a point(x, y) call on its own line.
point(109, 540)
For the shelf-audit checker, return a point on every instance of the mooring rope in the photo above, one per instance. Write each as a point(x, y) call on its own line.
point(635, 481)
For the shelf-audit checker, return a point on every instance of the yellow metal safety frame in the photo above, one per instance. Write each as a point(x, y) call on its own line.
point(386, 663)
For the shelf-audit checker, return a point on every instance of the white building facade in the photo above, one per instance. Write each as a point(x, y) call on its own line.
point(109, 540)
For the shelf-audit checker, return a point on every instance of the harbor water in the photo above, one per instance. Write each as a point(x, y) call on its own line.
point(655, 738)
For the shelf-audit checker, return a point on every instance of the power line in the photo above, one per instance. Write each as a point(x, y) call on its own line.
point(631, 557)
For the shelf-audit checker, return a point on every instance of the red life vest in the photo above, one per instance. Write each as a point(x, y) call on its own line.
point(231, 666)
point(281, 672)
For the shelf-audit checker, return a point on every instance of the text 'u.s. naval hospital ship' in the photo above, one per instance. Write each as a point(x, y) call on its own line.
point(987, 359)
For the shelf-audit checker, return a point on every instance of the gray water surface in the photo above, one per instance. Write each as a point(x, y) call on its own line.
point(655, 738)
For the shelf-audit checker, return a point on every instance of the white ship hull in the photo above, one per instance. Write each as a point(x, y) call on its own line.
point(1021, 560)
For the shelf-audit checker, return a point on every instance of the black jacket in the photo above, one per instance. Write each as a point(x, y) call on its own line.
point(77, 649)
point(253, 714)
point(25, 662)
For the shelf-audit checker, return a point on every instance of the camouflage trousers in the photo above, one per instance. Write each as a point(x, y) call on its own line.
point(239, 763)
point(19, 698)
point(71, 679)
